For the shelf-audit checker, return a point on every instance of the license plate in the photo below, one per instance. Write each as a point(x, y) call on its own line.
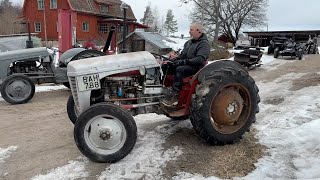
point(88, 82)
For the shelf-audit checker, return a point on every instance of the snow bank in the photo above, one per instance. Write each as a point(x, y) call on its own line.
point(6, 153)
point(290, 130)
point(73, 170)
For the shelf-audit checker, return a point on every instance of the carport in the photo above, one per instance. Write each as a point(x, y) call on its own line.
point(262, 38)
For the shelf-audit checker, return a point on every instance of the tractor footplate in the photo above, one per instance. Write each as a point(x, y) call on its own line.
point(173, 111)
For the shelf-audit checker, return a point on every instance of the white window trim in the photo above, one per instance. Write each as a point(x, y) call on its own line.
point(39, 4)
point(35, 27)
point(51, 5)
point(88, 27)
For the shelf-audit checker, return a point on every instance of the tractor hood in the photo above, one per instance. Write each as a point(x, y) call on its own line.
point(22, 54)
point(112, 64)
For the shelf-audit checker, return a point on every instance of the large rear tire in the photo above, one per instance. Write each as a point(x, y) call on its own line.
point(225, 106)
point(17, 89)
point(105, 133)
point(300, 54)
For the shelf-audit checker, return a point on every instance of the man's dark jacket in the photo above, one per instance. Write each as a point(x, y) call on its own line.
point(196, 52)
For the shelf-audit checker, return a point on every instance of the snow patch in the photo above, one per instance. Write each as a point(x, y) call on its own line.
point(290, 131)
point(148, 156)
point(71, 171)
point(49, 88)
point(6, 153)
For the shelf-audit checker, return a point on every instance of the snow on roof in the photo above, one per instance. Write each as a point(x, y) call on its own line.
point(153, 38)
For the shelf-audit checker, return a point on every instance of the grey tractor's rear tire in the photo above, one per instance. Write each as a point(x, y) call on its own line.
point(17, 89)
point(276, 53)
point(300, 54)
point(239, 90)
point(105, 133)
point(71, 110)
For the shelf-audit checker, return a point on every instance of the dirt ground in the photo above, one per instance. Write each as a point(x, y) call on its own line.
point(44, 135)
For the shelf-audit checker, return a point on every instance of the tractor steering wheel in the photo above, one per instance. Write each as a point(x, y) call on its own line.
point(163, 59)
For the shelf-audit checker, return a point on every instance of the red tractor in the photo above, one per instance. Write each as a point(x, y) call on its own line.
point(221, 101)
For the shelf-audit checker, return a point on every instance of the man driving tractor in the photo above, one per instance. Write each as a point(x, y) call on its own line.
point(192, 58)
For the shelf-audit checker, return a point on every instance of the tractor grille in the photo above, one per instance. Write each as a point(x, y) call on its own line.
point(73, 86)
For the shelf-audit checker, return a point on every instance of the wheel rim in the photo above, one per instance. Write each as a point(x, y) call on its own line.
point(18, 89)
point(105, 134)
point(230, 108)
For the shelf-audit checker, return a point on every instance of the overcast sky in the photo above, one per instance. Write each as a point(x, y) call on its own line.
point(282, 14)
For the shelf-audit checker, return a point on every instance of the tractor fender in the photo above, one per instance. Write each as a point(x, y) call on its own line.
point(210, 69)
point(66, 57)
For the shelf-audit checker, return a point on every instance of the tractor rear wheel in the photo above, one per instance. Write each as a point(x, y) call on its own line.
point(17, 89)
point(105, 133)
point(300, 54)
point(225, 106)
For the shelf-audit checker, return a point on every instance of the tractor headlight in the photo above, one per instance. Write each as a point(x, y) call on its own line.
point(142, 70)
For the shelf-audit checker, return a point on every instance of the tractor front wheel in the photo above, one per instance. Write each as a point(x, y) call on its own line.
point(105, 133)
point(225, 106)
point(17, 89)
point(72, 110)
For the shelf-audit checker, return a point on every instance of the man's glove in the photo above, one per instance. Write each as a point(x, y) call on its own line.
point(180, 62)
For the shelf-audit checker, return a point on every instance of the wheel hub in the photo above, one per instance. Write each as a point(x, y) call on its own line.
point(227, 107)
point(105, 134)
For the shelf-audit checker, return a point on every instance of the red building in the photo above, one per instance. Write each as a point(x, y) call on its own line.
point(92, 19)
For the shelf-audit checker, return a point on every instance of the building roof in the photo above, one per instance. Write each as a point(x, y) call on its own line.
point(93, 7)
point(282, 33)
point(153, 38)
point(108, 1)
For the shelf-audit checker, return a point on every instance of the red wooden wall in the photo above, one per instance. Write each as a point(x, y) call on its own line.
point(32, 13)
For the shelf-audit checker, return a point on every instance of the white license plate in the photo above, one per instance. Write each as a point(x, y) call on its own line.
point(88, 82)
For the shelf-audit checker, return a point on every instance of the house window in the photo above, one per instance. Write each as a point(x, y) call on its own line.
point(103, 28)
point(40, 4)
point(104, 8)
point(85, 27)
point(37, 27)
point(53, 4)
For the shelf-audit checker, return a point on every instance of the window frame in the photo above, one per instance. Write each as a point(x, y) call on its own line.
point(39, 5)
point(104, 28)
point(35, 26)
point(51, 4)
point(85, 26)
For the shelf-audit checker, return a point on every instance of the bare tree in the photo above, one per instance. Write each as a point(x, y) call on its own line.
point(9, 14)
point(252, 15)
point(229, 16)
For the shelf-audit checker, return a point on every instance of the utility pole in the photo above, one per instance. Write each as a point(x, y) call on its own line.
point(45, 23)
point(124, 6)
